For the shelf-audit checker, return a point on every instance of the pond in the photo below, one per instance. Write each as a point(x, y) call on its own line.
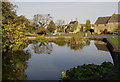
point(49, 59)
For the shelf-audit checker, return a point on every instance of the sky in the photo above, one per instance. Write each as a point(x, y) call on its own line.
point(68, 11)
point(65, 0)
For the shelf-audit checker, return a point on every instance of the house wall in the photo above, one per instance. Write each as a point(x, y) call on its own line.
point(113, 26)
point(99, 28)
point(78, 29)
point(110, 27)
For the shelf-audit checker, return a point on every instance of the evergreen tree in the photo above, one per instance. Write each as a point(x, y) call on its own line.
point(51, 26)
point(88, 25)
point(74, 27)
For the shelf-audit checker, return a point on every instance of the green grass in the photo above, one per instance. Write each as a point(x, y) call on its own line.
point(55, 35)
point(115, 41)
point(31, 35)
point(99, 34)
point(69, 34)
point(66, 35)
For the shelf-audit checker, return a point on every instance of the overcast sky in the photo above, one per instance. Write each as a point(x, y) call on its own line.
point(65, 0)
point(68, 10)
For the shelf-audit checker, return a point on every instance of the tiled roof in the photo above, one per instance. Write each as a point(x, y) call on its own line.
point(109, 19)
point(102, 20)
point(115, 18)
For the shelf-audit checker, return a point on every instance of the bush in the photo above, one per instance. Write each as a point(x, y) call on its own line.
point(85, 71)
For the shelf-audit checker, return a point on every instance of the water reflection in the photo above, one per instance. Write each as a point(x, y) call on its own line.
point(39, 48)
point(76, 43)
point(64, 58)
point(100, 45)
point(14, 65)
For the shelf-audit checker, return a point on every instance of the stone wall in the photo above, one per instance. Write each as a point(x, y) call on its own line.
point(110, 27)
point(113, 26)
point(99, 28)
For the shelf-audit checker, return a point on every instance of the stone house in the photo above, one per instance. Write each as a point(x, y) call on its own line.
point(70, 25)
point(111, 23)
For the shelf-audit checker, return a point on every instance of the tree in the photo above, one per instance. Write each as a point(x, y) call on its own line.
point(74, 27)
point(91, 30)
point(82, 28)
point(60, 25)
point(42, 29)
point(60, 22)
point(8, 12)
point(88, 25)
point(42, 19)
point(22, 19)
point(13, 37)
point(51, 26)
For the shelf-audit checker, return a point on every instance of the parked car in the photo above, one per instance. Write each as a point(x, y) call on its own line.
point(42, 33)
point(117, 32)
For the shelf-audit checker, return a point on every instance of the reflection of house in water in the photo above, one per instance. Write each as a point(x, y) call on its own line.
point(100, 45)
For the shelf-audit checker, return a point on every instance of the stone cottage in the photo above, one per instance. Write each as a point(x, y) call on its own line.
point(71, 24)
point(111, 23)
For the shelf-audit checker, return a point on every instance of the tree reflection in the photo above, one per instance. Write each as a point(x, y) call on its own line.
point(76, 43)
point(14, 65)
point(39, 48)
point(61, 41)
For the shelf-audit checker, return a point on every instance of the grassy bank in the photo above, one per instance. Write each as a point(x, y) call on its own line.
point(100, 35)
point(65, 35)
point(115, 41)
point(69, 34)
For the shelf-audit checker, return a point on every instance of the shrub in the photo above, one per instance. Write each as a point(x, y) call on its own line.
point(85, 71)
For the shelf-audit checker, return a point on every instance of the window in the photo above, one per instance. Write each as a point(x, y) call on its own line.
point(101, 30)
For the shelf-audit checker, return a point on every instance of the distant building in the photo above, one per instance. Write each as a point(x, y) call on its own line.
point(111, 23)
point(71, 24)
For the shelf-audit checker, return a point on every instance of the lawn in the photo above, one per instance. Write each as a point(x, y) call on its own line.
point(31, 35)
point(100, 35)
point(70, 34)
point(115, 41)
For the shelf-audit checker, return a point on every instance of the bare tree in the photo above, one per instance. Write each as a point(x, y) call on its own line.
point(42, 19)
point(60, 22)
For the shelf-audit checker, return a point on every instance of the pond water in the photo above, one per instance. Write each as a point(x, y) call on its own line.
point(49, 59)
